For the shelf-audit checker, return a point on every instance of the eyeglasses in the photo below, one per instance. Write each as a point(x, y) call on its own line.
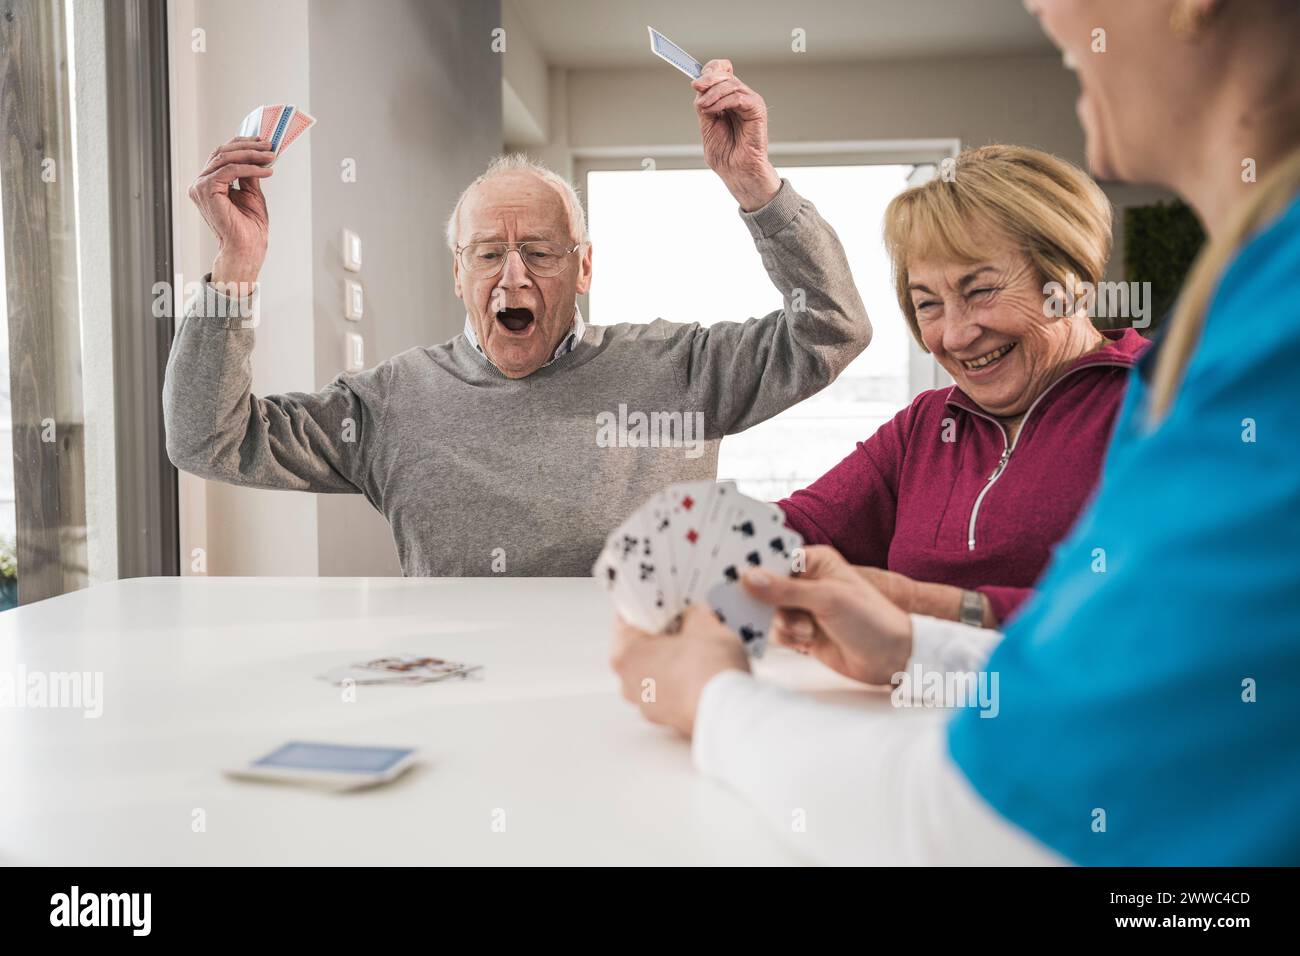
point(540, 257)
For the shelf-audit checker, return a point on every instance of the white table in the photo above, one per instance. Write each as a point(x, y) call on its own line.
point(202, 673)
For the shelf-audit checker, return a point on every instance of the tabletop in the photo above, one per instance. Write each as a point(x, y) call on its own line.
point(537, 761)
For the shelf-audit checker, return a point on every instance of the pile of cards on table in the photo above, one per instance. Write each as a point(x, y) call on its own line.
point(689, 544)
point(279, 125)
point(401, 669)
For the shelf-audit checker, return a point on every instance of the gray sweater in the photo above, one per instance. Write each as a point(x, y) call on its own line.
point(479, 474)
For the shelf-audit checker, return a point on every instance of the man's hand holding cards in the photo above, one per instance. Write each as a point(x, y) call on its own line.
point(688, 545)
point(277, 125)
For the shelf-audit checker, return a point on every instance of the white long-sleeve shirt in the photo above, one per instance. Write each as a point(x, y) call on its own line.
point(847, 787)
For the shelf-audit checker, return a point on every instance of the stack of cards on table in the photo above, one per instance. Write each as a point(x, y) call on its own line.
point(402, 669)
point(689, 544)
point(279, 125)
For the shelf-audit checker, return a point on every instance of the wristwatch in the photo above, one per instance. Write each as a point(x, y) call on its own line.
point(972, 609)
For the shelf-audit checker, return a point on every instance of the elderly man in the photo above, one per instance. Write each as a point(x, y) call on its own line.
point(494, 451)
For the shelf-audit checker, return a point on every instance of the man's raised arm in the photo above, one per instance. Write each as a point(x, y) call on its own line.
point(743, 373)
point(216, 427)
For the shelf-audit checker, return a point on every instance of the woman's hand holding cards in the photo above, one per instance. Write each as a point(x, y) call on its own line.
point(832, 613)
point(664, 674)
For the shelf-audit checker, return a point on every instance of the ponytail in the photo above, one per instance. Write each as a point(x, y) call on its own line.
point(1267, 199)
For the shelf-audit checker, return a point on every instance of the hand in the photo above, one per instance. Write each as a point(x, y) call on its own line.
point(733, 126)
point(923, 597)
point(831, 612)
point(664, 674)
point(897, 588)
point(237, 218)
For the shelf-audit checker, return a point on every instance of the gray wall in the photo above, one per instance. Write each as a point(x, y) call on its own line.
point(411, 90)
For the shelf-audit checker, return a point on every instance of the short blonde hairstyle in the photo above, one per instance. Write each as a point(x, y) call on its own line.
point(1050, 209)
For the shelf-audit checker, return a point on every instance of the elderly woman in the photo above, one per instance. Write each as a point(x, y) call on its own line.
point(1150, 689)
point(963, 495)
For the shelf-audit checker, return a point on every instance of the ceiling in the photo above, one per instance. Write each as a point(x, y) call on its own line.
point(603, 33)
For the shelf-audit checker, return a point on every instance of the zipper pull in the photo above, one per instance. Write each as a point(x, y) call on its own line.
point(1002, 463)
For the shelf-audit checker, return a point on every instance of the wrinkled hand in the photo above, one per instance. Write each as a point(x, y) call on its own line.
point(923, 597)
point(238, 218)
point(664, 674)
point(833, 613)
point(897, 588)
point(733, 127)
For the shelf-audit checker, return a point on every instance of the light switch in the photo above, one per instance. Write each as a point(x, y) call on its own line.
point(354, 352)
point(353, 304)
point(351, 251)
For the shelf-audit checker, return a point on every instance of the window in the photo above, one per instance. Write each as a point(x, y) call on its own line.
point(644, 225)
point(8, 517)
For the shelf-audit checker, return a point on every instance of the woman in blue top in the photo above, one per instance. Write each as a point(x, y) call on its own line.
point(1144, 706)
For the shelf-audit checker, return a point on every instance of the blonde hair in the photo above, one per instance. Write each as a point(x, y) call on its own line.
point(1268, 198)
point(1047, 207)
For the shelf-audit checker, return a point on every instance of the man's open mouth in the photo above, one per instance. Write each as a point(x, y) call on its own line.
point(992, 358)
point(516, 320)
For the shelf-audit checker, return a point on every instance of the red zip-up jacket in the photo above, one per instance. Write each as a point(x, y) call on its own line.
point(940, 495)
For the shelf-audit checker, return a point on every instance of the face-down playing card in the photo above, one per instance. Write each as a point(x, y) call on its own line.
point(279, 125)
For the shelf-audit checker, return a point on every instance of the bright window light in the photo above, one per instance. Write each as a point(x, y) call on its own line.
point(669, 244)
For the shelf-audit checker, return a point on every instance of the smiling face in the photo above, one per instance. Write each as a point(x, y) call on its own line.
point(520, 318)
point(986, 325)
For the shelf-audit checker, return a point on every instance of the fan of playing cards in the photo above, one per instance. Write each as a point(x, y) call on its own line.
point(689, 544)
point(278, 125)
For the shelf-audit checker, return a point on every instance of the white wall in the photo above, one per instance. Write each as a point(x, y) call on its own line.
point(246, 531)
point(413, 96)
point(411, 91)
point(524, 92)
point(1024, 99)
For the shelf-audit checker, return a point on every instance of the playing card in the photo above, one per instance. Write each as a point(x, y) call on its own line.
point(626, 569)
point(280, 125)
point(691, 543)
point(666, 49)
point(298, 124)
point(646, 578)
point(688, 504)
point(661, 532)
point(709, 524)
point(252, 123)
point(270, 117)
point(752, 537)
point(608, 575)
point(399, 669)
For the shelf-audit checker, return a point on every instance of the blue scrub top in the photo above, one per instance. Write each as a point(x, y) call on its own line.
point(1150, 690)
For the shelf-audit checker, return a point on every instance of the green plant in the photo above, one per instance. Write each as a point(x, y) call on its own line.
point(1160, 243)
point(8, 557)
